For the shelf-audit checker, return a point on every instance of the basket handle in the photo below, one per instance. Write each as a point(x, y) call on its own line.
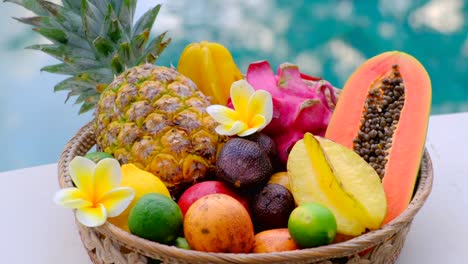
point(79, 145)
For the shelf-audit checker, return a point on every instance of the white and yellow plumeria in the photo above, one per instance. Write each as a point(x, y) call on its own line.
point(98, 193)
point(253, 111)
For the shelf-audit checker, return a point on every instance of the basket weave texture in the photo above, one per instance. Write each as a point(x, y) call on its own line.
point(110, 244)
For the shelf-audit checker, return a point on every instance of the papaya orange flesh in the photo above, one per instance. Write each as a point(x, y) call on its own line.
point(383, 114)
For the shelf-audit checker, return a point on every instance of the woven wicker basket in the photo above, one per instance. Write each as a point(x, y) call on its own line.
point(110, 244)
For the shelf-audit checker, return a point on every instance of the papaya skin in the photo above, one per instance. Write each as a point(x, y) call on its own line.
point(404, 156)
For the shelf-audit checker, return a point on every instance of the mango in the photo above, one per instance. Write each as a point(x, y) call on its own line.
point(312, 179)
point(201, 189)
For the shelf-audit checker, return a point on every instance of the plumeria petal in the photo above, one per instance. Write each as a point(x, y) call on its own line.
point(107, 176)
point(261, 103)
point(71, 198)
point(240, 94)
point(82, 174)
point(253, 110)
point(117, 200)
point(247, 132)
point(256, 124)
point(92, 216)
point(222, 114)
point(236, 128)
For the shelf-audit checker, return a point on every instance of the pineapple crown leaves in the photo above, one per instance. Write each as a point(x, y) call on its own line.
point(95, 40)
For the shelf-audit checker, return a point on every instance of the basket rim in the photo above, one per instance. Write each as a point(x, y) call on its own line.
point(84, 139)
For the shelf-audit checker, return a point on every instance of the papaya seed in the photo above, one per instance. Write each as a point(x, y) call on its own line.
point(379, 119)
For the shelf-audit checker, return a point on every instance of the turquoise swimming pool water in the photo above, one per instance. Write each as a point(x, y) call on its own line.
point(326, 38)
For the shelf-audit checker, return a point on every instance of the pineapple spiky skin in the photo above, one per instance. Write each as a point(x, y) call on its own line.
point(155, 117)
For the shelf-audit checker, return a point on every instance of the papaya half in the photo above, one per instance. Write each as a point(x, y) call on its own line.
point(383, 114)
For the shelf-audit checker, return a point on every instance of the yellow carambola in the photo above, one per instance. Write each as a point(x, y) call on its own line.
point(211, 67)
point(321, 172)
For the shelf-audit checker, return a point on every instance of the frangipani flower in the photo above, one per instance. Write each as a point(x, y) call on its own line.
point(98, 194)
point(252, 112)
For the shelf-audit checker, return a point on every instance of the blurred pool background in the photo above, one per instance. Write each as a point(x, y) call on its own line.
point(328, 38)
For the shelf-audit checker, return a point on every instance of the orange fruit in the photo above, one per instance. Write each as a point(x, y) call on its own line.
point(312, 225)
point(274, 240)
point(342, 238)
point(281, 178)
point(218, 223)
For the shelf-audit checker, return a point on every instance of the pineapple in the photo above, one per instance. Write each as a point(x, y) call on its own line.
point(155, 118)
point(148, 115)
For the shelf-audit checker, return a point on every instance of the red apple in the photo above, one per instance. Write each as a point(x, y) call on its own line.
point(201, 189)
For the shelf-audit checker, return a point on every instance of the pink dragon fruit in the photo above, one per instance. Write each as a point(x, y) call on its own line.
point(298, 106)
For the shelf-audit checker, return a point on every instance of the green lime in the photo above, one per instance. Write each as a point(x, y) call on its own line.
point(312, 225)
point(181, 242)
point(156, 217)
point(96, 156)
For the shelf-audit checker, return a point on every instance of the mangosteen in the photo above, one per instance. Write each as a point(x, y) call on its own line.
point(243, 164)
point(272, 206)
point(268, 145)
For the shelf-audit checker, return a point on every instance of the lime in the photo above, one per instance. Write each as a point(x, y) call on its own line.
point(96, 156)
point(142, 182)
point(182, 243)
point(312, 225)
point(156, 217)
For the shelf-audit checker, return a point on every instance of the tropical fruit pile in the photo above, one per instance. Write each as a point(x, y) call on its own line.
point(207, 158)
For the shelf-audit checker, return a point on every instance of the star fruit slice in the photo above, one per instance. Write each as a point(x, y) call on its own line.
point(313, 180)
point(357, 178)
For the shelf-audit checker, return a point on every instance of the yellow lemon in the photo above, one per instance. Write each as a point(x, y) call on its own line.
point(142, 182)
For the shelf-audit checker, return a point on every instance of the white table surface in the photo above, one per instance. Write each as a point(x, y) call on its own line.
point(35, 230)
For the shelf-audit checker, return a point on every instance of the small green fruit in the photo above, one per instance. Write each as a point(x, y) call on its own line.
point(156, 217)
point(182, 243)
point(312, 225)
point(97, 156)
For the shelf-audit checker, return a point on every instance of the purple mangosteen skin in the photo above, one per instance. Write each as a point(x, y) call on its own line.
point(243, 164)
